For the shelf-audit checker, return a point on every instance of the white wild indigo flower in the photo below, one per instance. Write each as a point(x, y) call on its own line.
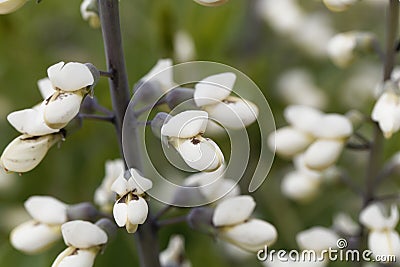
point(339, 5)
point(9, 6)
point(24, 153)
point(382, 237)
point(90, 13)
point(131, 208)
point(174, 254)
point(84, 240)
point(343, 47)
point(104, 197)
point(211, 2)
point(48, 214)
point(387, 113)
point(321, 137)
point(184, 132)
point(233, 223)
point(212, 94)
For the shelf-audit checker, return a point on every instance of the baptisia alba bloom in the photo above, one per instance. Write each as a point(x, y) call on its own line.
point(339, 5)
point(184, 132)
point(174, 254)
point(48, 214)
point(131, 208)
point(233, 223)
point(212, 94)
point(9, 6)
point(24, 153)
point(84, 240)
point(387, 113)
point(321, 137)
point(382, 238)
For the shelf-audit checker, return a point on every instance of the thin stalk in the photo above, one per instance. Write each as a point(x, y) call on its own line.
point(146, 238)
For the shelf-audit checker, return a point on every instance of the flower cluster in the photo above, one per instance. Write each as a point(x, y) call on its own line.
point(40, 126)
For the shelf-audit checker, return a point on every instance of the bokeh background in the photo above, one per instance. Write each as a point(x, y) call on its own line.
point(240, 34)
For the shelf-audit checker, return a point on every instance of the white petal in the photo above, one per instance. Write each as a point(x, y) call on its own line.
point(120, 186)
point(46, 209)
point(137, 211)
point(289, 141)
point(24, 153)
point(384, 243)
point(233, 210)
point(302, 117)
point(83, 234)
point(120, 213)
point(174, 253)
point(73, 257)
point(33, 237)
point(201, 154)
point(317, 238)
point(9, 6)
point(138, 182)
point(322, 154)
point(71, 76)
point(186, 124)
point(30, 121)
point(339, 5)
point(214, 89)
point(333, 126)
point(161, 73)
point(252, 235)
point(298, 186)
point(234, 113)
point(46, 88)
point(387, 112)
point(60, 111)
point(373, 217)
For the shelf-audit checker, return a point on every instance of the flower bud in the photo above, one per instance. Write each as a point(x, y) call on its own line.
point(317, 238)
point(9, 6)
point(387, 113)
point(233, 211)
point(83, 234)
point(211, 2)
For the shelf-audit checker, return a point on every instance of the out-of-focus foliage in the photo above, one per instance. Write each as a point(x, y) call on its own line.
point(39, 35)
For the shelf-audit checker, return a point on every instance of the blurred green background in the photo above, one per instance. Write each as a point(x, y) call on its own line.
point(38, 36)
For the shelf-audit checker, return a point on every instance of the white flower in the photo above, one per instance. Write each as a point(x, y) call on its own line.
point(211, 2)
point(387, 113)
point(317, 238)
point(382, 237)
point(131, 208)
point(9, 6)
point(339, 5)
point(184, 132)
point(43, 230)
point(184, 48)
point(213, 95)
point(70, 77)
point(90, 13)
point(161, 74)
point(84, 241)
point(104, 196)
point(174, 254)
point(25, 152)
point(299, 186)
point(232, 220)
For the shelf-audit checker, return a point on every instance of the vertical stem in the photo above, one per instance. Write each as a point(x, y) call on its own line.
point(146, 238)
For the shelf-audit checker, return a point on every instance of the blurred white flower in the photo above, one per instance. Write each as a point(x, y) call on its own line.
point(25, 152)
point(174, 254)
point(299, 186)
point(184, 131)
point(317, 238)
point(43, 230)
point(84, 241)
point(343, 47)
point(382, 237)
point(9, 6)
point(184, 47)
point(104, 197)
point(131, 208)
point(161, 74)
point(387, 113)
point(339, 5)
point(211, 2)
point(296, 86)
point(233, 223)
point(89, 12)
point(343, 223)
point(213, 95)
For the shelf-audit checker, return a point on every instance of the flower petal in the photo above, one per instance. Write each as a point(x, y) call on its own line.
point(214, 89)
point(120, 213)
point(137, 211)
point(333, 126)
point(373, 217)
point(317, 238)
point(234, 210)
point(120, 185)
point(322, 154)
point(83, 234)
point(73, 257)
point(387, 112)
point(302, 117)
point(46, 209)
point(138, 182)
point(384, 243)
point(10, 6)
point(70, 77)
point(161, 73)
point(186, 124)
point(46, 88)
point(234, 112)
point(252, 235)
point(289, 141)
